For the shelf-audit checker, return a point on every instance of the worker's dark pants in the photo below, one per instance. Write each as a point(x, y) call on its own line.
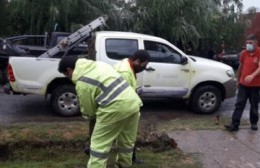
point(244, 93)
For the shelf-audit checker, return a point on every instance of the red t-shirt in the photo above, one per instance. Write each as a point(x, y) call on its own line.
point(250, 64)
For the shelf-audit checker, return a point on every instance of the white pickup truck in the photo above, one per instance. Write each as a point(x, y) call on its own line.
point(170, 74)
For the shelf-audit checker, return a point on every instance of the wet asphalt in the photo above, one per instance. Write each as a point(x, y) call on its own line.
point(26, 108)
point(220, 149)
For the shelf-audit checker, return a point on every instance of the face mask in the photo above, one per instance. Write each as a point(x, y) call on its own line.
point(249, 47)
point(138, 68)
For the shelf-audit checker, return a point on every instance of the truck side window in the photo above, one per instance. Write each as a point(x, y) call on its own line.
point(33, 41)
point(59, 38)
point(162, 53)
point(121, 48)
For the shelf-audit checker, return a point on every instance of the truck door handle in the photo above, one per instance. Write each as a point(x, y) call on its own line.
point(185, 70)
point(150, 69)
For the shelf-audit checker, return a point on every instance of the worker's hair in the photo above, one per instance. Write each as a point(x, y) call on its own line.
point(67, 62)
point(251, 37)
point(142, 55)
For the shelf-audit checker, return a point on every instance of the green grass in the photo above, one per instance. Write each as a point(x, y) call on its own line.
point(44, 132)
point(195, 123)
point(60, 145)
point(75, 158)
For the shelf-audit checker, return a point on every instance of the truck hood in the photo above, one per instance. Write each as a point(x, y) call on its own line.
point(204, 62)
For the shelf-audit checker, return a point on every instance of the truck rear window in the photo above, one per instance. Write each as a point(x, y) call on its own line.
point(121, 48)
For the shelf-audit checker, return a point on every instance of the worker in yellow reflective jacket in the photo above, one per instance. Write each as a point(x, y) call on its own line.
point(128, 68)
point(103, 94)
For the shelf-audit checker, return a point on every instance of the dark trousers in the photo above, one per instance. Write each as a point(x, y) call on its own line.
point(245, 93)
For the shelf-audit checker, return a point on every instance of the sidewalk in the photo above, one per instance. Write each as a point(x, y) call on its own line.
point(221, 149)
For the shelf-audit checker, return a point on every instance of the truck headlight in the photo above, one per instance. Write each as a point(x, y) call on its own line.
point(230, 73)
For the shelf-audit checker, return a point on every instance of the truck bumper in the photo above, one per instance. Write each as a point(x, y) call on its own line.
point(230, 88)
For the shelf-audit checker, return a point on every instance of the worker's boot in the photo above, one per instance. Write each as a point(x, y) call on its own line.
point(137, 161)
point(231, 127)
point(254, 127)
point(134, 158)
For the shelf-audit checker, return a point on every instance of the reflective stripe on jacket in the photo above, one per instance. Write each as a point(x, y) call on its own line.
point(103, 93)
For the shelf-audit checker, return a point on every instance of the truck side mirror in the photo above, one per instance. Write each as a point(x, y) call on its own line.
point(184, 60)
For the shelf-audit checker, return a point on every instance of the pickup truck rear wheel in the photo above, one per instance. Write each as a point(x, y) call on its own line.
point(64, 101)
point(206, 99)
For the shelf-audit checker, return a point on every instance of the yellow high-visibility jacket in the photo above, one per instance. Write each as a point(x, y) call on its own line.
point(124, 69)
point(103, 93)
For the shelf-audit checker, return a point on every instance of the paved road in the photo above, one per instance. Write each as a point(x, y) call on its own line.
point(19, 108)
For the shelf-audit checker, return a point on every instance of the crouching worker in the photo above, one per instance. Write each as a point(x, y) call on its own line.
point(103, 94)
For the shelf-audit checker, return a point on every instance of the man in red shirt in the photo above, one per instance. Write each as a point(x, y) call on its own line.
point(248, 86)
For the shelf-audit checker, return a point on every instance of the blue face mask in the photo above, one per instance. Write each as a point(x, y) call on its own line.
point(249, 47)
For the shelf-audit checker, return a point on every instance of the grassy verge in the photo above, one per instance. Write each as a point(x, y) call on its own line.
point(203, 122)
point(75, 158)
point(60, 145)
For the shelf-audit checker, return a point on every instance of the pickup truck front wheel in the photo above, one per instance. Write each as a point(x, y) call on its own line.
point(64, 101)
point(206, 99)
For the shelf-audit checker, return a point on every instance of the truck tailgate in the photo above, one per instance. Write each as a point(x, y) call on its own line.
point(33, 74)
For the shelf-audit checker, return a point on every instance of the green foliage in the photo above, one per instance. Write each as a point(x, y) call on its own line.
point(197, 23)
point(4, 17)
point(37, 16)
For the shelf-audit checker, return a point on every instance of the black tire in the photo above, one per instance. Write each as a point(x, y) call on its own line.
point(205, 99)
point(64, 101)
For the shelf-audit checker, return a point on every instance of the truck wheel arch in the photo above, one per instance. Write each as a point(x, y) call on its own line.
point(56, 83)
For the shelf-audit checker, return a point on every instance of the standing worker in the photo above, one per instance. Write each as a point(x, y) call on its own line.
point(103, 94)
point(248, 86)
point(128, 68)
